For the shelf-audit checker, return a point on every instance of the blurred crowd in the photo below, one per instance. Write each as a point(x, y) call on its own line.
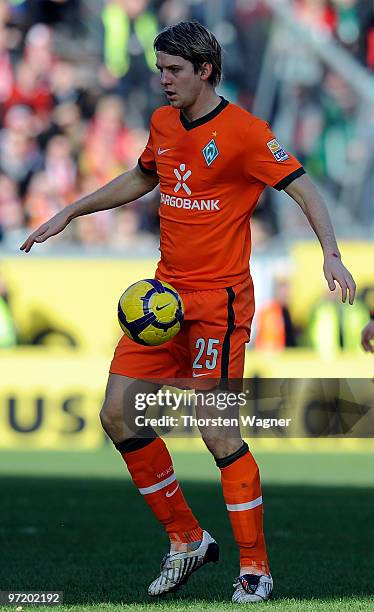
point(332, 125)
point(77, 89)
point(350, 21)
point(78, 86)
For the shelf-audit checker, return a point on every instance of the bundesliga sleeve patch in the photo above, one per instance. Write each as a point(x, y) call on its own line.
point(278, 152)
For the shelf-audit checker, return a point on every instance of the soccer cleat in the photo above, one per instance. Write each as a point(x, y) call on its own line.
point(252, 588)
point(176, 568)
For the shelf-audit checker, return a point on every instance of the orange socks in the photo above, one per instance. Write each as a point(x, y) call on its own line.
point(242, 492)
point(151, 469)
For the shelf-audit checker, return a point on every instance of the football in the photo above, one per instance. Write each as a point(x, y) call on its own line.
point(150, 312)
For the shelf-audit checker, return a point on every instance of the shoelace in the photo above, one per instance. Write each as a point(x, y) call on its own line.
point(239, 584)
point(166, 562)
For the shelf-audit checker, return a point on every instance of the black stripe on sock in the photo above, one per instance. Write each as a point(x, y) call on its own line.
point(133, 444)
point(230, 328)
point(225, 461)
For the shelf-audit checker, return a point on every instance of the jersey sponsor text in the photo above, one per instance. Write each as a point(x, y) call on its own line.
point(188, 204)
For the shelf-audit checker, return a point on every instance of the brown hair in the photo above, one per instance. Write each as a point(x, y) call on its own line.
point(193, 42)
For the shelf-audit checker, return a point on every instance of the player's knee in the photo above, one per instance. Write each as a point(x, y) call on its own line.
point(110, 414)
point(104, 418)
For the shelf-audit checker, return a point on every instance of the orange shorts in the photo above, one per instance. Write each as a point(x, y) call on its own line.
point(211, 342)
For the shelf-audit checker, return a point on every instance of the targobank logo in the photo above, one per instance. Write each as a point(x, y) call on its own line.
point(189, 204)
point(182, 176)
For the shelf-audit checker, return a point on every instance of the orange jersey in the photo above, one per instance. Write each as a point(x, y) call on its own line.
point(212, 172)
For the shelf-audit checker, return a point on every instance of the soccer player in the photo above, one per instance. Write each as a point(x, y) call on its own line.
point(212, 160)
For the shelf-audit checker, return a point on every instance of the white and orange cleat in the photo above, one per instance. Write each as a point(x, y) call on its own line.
point(176, 568)
point(251, 588)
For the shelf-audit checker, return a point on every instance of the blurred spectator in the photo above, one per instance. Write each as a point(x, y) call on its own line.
point(108, 146)
point(367, 297)
point(11, 213)
point(127, 234)
point(9, 22)
point(6, 70)
point(64, 83)
point(19, 153)
point(275, 329)
point(66, 120)
point(53, 12)
point(261, 234)
point(247, 38)
point(148, 208)
point(39, 53)
point(60, 168)
point(367, 336)
point(173, 11)
point(350, 21)
point(30, 91)
point(334, 326)
point(126, 230)
point(93, 231)
point(129, 31)
point(365, 11)
point(4, 11)
point(8, 335)
point(347, 26)
point(326, 129)
point(41, 201)
point(317, 13)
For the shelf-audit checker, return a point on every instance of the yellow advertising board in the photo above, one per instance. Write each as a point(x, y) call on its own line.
point(75, 297)
point(51, 399)
point(308, 284)
point(73, 301)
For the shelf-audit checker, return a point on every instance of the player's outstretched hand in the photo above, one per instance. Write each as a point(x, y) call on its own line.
point(54, 226)
point(334, 270)
point(366, 337)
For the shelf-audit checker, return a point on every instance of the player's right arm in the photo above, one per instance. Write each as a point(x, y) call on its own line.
point(124, 189)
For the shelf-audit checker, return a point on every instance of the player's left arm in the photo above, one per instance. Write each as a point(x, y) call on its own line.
point(304, 192)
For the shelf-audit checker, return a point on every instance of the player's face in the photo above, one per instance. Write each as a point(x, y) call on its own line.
point(179, 81)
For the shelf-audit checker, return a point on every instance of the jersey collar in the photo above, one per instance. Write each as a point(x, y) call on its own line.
point(190, 125)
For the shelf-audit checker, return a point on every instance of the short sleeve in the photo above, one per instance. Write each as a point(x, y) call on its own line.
point(147, 161)
point(266, 160)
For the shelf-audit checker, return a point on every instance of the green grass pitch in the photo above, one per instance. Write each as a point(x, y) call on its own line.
point(74, 522)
